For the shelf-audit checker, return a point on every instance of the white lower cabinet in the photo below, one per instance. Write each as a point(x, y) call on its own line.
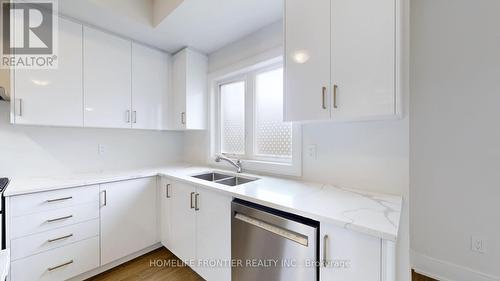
point(128, 218)
point(348, 255)
point(183, 216)
point(200, 228)
point(213, 235)
point(58, 264)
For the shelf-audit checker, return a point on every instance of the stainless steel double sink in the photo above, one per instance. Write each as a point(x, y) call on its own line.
point(224, 179)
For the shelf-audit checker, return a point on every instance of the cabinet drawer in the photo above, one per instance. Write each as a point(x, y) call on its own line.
point(48, 240)
point(35, 223)
point(58, 264)
point(51, 200)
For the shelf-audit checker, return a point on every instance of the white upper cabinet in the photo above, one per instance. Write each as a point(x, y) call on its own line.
point(53, 97)
point(363, 58)
point(189, 90)
point(341, 60)
point(307, 63)
point(150, 88)
point(107, 80)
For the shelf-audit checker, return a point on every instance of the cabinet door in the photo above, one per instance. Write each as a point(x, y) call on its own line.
point(183, 220)
point(53, 96)
point(196, 89)
point(307, 60)
point(128, 218)
point(150, 79)
point(178, 118)
point(350, 256)
point(363, 58)
point(213, 233)
point(107, 80)
point(165, 212)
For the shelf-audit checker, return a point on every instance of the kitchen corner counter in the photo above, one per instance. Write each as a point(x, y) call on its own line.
point(374, 214)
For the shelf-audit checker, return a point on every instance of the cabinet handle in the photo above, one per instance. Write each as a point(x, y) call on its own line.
point(196, 202)
point(323, 97)
point(60, 219)
point(128, 116)
point(134, 116)
point(166, 189)
point(59, 199)
point(192, 193)
point(325, 245)
point(335, 96)
point(59, 266)
point(60, 238)
point(19, 107)
point(183, 118)
point(105, 198)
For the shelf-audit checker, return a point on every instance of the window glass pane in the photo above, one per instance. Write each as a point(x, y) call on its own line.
point(232, 101)
point(273, 137)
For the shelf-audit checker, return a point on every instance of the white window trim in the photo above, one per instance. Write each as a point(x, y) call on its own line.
point(293, 168)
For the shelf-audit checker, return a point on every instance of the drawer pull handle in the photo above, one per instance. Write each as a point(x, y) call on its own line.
point(59, 266)
point(59, 199)
point(60, 219)
point(60, 238)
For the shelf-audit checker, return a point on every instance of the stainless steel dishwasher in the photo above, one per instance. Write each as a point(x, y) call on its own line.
point(271, 245)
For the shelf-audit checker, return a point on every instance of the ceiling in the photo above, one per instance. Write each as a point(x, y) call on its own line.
point(205, 25)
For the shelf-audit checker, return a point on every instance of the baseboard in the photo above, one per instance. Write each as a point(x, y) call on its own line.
point(446, 271)
point(116, 263)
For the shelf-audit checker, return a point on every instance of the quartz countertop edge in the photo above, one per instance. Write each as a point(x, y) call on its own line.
point(374, 214)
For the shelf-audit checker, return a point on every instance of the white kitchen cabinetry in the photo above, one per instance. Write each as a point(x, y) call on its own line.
point(128, 217)
point(213, 234)
point(307, 62)
point(201, 228)
point(53, 96)
point(150, 88)
point(341, 60)
point(189, 90)
point(183, 216)
point(165, 212)
point(107, 80)
point(352, 256)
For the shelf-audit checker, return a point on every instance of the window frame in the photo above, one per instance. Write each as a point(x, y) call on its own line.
point(252, 161)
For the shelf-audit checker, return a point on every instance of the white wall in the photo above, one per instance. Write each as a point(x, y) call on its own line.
point(40, 151)
point(455, 137)
point(365, 155)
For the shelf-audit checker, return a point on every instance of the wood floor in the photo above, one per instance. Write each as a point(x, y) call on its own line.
point(418, 277)
point(140, 269)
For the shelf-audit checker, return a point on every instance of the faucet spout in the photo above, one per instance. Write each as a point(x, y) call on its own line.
point(236, 164)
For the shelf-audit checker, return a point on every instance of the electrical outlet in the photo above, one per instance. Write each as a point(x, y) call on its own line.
point(311, 151)
point(477, 244)
point(101, 149)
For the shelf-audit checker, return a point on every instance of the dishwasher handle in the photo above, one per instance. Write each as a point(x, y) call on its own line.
point(290, 235)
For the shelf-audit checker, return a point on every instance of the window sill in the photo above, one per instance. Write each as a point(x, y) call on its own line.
point(273, 168)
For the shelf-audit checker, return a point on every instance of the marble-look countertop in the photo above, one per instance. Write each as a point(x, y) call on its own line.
point(371, 213)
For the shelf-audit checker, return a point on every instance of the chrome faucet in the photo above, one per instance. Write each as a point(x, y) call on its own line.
point(236, 164)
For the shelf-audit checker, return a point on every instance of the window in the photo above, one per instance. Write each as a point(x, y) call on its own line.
point(249, 122)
